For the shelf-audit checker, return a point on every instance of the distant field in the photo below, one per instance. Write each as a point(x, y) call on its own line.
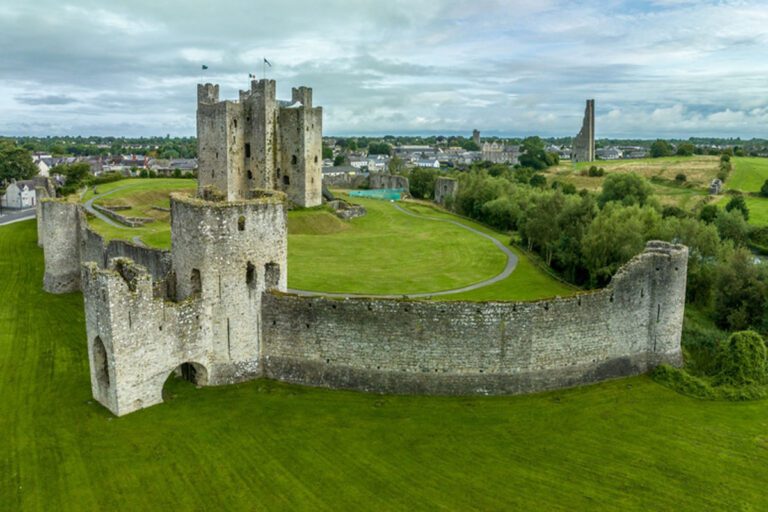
point(699, 172)
point(628, 444)
point(748, 174)
point(758, 209)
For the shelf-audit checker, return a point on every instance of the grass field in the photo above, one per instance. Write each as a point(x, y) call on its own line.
point(623, 445)
point(758, 208)
point(748, 174)
point(699, 172)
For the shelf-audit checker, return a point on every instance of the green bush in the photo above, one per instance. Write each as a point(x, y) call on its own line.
point(742, 360)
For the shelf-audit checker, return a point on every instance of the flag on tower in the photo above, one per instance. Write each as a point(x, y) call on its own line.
point(267, 62)
point(205, 67)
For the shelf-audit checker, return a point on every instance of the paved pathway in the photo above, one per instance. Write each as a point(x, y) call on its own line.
point(89, 206)
point(11, 216)
point(508, 269)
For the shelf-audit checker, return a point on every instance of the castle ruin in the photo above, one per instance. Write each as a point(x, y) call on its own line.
point(215, 308)
point(583, 149)
point(259, 142)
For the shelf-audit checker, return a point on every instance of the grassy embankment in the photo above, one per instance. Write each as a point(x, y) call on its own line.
point(141, 195)
point(623, 445)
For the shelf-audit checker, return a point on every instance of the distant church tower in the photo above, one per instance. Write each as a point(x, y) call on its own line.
point(476, 137)
point(583, 149)
point(260, 142)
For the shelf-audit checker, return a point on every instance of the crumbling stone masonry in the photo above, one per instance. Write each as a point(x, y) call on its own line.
point(260, 142)
point(379, 180)
point(446, 190)
point(583, 149)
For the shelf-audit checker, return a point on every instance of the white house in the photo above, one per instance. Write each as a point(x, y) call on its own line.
point(20, 194)
point(433, 163)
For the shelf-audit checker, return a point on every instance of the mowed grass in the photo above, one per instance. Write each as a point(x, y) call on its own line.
point(757, 206)
point(623, 445)
point(386, 251)
point(143, 196)
point(527, 282)
point(748, 175)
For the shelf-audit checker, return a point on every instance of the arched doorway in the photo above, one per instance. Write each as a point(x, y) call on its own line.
point(178, 382)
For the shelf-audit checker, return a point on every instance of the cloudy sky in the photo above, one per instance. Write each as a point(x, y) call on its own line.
point(671, 68)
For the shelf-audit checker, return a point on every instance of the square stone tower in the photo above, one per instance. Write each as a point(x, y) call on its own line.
point(259, 142)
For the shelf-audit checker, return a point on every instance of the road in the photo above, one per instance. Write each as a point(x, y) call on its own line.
point(11, 216)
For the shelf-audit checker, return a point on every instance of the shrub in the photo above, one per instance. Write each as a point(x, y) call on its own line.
point(742, 360)
point(681, 178)
point(738, 203)
point(764, 189)
point(709, 213)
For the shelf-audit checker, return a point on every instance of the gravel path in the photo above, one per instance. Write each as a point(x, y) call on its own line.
point(508, 269)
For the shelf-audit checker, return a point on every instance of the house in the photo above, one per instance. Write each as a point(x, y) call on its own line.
point(19, 194)
point(433, 163)
point(609, 153)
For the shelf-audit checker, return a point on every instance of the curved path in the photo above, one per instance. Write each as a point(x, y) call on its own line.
point(89, 206)
point(508, 269)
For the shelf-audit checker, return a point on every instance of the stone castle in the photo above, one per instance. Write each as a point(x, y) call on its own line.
point(583, 149)
point(259, 142)
point(215, 308)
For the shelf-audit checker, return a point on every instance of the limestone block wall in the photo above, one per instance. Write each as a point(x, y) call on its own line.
point(260, 106)
point(228, 253)
point(445, 190)
point(300, 156)
point(59, 228)
point(136, 341)
point(382, 180)
point(482, 348)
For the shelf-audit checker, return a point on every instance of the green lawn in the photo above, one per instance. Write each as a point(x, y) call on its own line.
point(387, 252)
point(623, 445)
point(758, 208)
point(748, 175)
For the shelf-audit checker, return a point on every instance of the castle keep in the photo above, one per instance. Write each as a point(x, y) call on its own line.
point(260, 142)
point(215, 309)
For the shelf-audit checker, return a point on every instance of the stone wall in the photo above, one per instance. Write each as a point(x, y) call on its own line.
point(59, 228)
point(381, 180)
point(445, 190)
point(482, 348)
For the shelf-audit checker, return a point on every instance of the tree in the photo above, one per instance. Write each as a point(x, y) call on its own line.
point(660, 148)
point(422, 182)
point(708, 213)
point(738, 203)
point(742, 360)
point(534, 155)
point(379, 148)
point(685, 149)
point(538, 180)
point(731, 225)
point(764, 189)
point(617, 234)
point(15, 163)
point(327, 152)
point(339, 160)
point(627, 189)
point(741, 294)
point(396, 165)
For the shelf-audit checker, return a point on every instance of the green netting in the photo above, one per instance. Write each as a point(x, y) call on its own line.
point(393, 194)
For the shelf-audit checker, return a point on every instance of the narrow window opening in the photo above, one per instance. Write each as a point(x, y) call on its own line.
point(286, 180)
point(658, 313)
point(196, 280)
point(250, 275)
point(247, 150)
point(250, 174)
point(315, 158)
point(234, 123)
point(241, 223)
point(100, 363)
point(294, 160)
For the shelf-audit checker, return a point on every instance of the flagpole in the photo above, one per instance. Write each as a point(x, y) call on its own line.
point(264, 67)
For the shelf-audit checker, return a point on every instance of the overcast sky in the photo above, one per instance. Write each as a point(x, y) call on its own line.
point(655, 68)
